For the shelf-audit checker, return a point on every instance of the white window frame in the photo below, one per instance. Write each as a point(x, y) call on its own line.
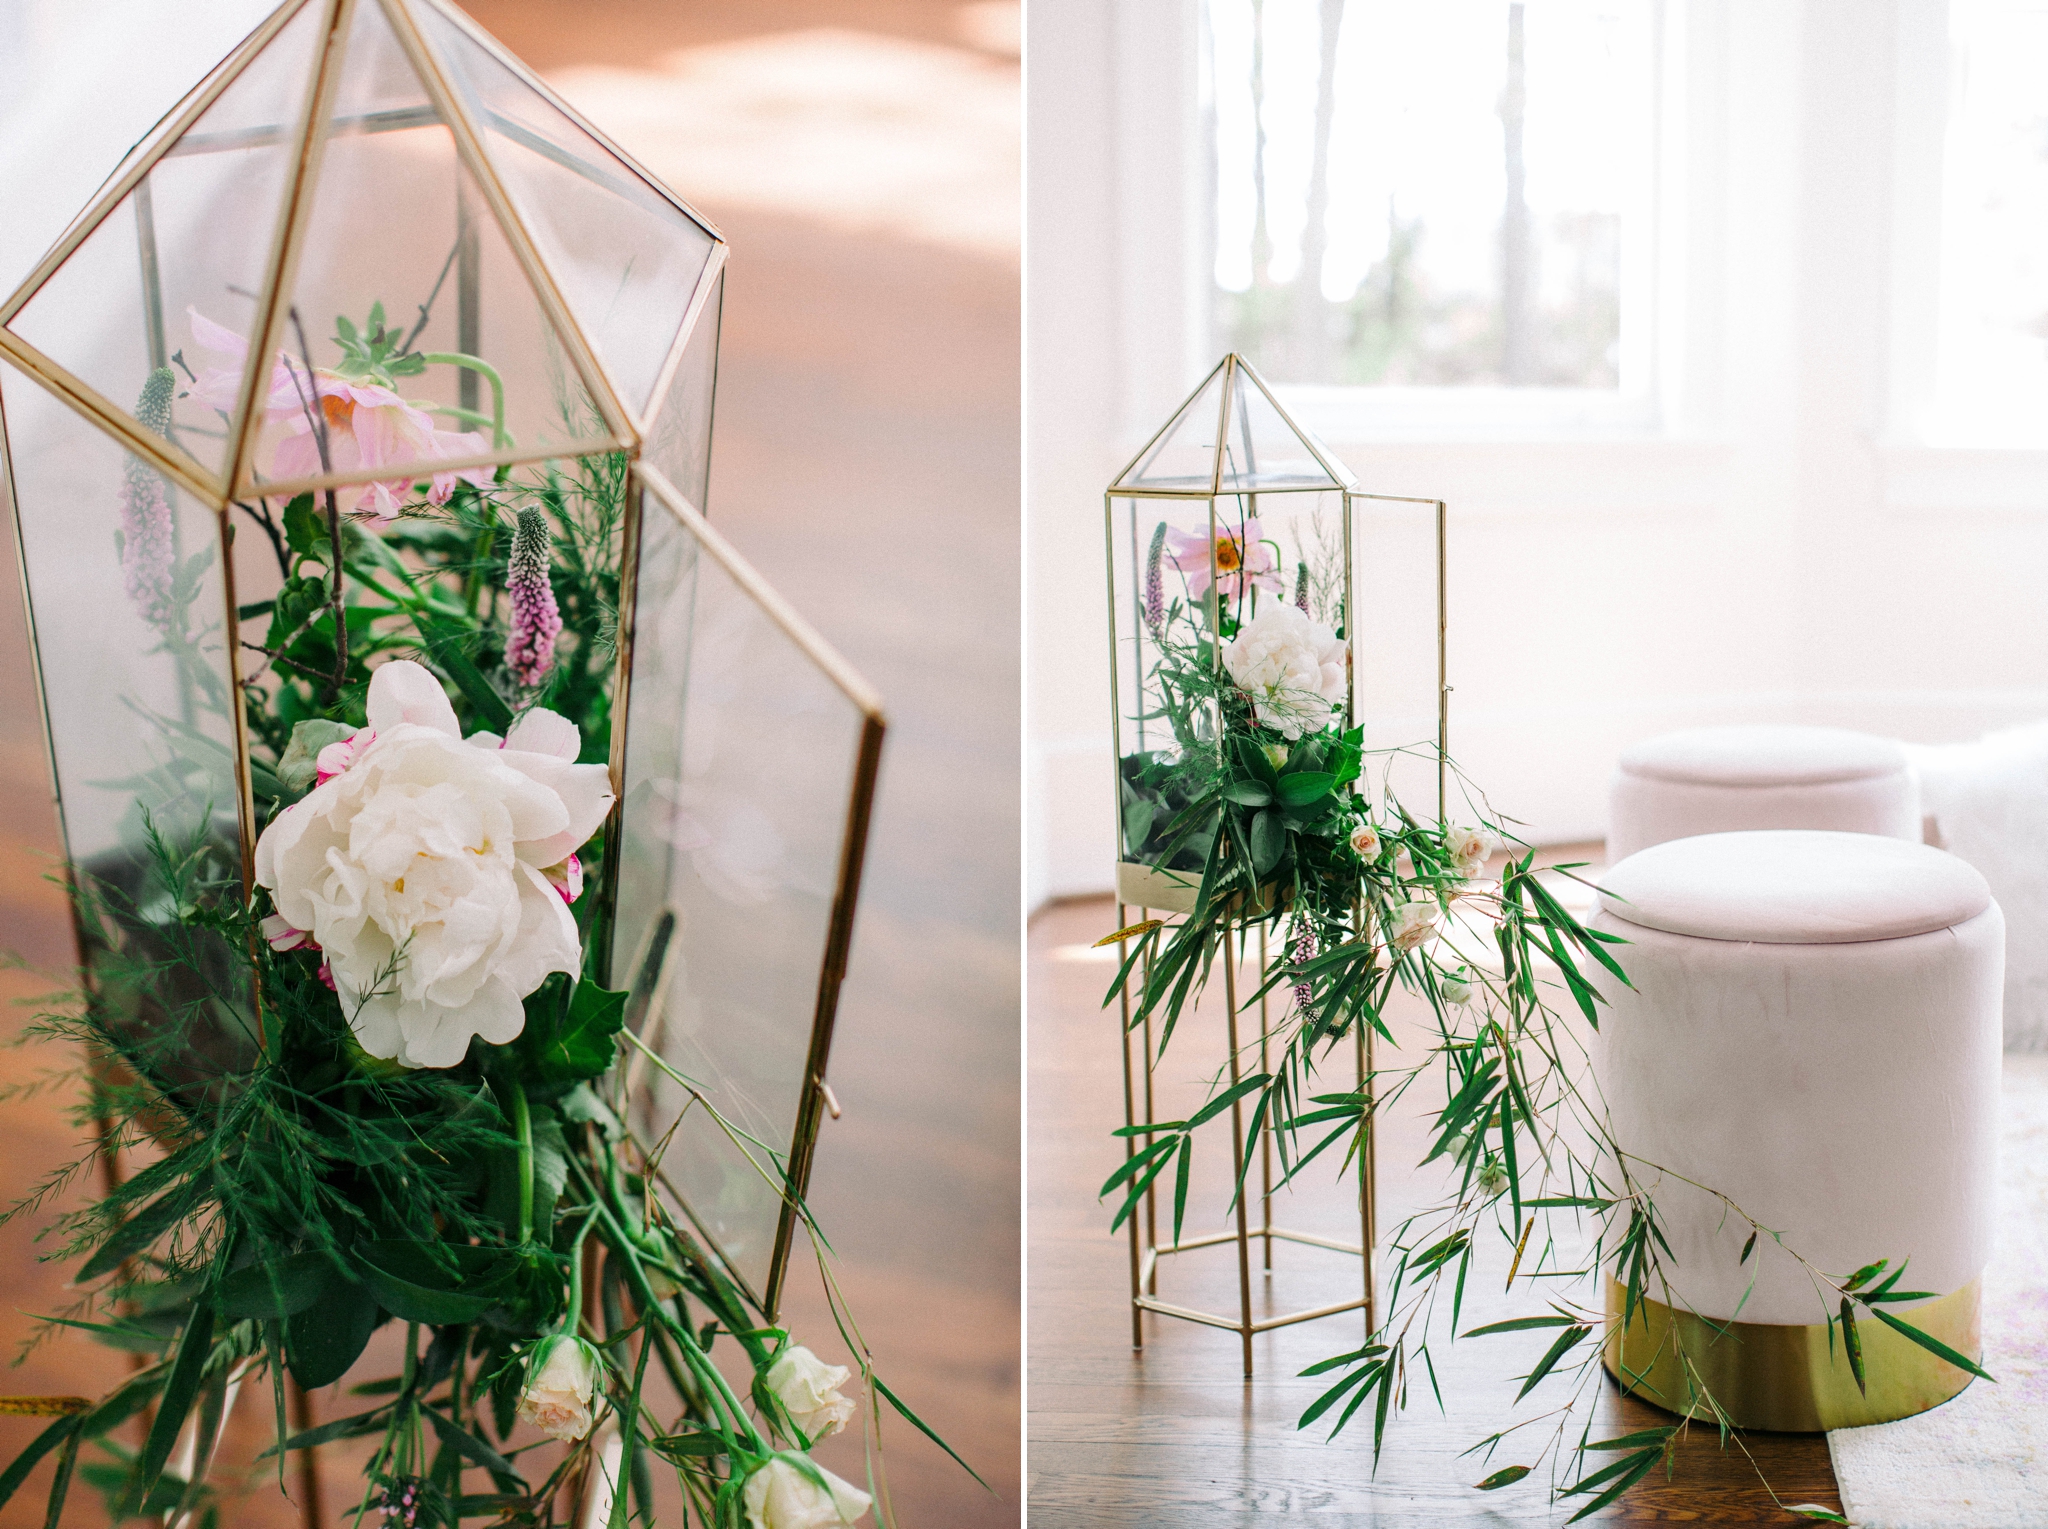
point(1923, 472)
point(1165, 200)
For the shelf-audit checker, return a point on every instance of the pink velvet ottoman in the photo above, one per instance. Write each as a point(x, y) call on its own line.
point(1711, 780)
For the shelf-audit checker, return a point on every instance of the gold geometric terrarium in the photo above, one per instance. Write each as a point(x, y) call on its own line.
point(1231, 515)
point(369, 281)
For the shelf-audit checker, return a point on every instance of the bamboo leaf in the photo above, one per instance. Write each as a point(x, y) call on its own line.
point(1748, 1248)
point(143, 1228)
point(1504, 1478)
point(473, 1449)
point(924, 1428)
point(1633, 1469)
point(1134, 1162)
point(1522, 1325)
point(1814, 1510)
point(1867, 1272)
point(1228, 1097)
point(1324, 1366)
point(60, 1484)
point(1566, 1341)
point(1933, 1345)
point(28, 1459)
point(180, 1389)
point(1852, 1344)
point(1633, 1440)
point(1379, 1413)
point(444, 643)
point(353, 1426)
point(1180, 1184)
point(1363, 1375)
point(1129, 931)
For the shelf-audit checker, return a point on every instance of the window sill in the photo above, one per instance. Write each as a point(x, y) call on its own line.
point(1620, 477)
point(1920, 478)
point(1410, 416)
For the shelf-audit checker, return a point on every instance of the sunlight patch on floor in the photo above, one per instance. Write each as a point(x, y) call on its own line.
point(861, 131)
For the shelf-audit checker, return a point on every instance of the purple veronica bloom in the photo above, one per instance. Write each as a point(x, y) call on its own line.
point(536, 620)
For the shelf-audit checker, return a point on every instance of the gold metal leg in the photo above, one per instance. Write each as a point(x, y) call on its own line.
point(1265, 1135)
point(1237, 1146)
point(1130, 1142)
point(1151, 1190)
point(301, 1411)
point(1368, 1176)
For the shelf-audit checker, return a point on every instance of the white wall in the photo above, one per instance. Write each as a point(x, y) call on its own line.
point(1776, 550)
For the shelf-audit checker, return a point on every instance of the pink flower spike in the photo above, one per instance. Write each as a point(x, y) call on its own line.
point(338, 756)
point(566, 878)
point(326, 975)
point(282, 937)
point(536, 620)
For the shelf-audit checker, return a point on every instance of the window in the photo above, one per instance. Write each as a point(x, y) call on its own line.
point(1991, 342)
point(1453, 196)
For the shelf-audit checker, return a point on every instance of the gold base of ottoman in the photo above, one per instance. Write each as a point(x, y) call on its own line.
point(1786, 1379)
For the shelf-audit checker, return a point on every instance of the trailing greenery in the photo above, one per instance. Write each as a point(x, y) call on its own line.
point(1361, 902)
point(299, 1195)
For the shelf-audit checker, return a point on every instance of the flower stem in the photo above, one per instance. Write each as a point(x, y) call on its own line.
point(522, 1127)
point(334, 595)
point(499, 439)
point(651, 1305)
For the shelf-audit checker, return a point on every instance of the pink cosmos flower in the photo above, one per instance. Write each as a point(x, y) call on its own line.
point(368, 426)
point(1242, 560)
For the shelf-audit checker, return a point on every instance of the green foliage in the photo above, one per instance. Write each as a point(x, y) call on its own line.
point(1262, 826)
point(298, 1195)
point(376, 352)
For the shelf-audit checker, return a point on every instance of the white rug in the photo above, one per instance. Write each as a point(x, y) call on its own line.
point(1980, 1461)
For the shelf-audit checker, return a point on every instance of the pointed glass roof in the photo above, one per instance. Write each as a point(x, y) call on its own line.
point(349, 155)
point(1232, 437)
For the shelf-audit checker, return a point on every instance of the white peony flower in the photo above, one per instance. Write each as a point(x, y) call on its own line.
point(808, 1389)
point(1365, 842)
point(1469, 847)
point(1415, 922)
point(421, 868)
point(779, 1496)
point(561, 1374)
point(1291, 666)
point(1456, 988)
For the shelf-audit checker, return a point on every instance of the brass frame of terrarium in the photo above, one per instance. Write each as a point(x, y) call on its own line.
point(1145, 1248)
point(626, 432)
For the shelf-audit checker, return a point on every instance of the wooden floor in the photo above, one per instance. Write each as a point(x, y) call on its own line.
point(1172, 1433)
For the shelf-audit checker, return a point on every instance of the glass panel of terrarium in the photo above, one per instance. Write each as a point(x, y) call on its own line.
point(679, 434)
point(401, 272)
point(1184, 455)
point(1394, 652)
point(174, 268)
point(1262, 451)
point(1167, 601)
point(741, 759)
point(625, 257)
point(125, 596)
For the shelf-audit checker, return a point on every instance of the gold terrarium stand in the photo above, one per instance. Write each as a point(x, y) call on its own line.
point(1232, 442)
point(1146, 1250)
